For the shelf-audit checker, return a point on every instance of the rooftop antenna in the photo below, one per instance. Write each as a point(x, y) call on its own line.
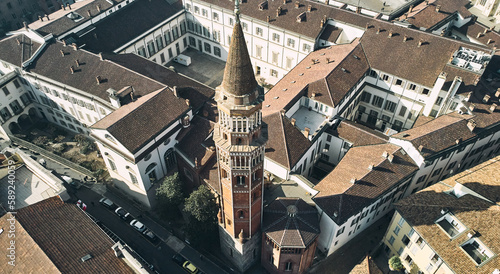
point(237, 10)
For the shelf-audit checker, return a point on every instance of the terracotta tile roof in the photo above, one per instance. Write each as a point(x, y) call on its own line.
point(332, 89)
point(136, 123)
point(330, 33)
point(30, 258)
point(367, 266)
point(286, 144)
point(197, 140)
point(131, 22)
point(407, 59)
point(438, 134)
point(16, 54)
point(338, 193)
point(53, 65)
point(359, 135)
point(188, 88)
point(422, 209)
point(472, 29)
point(294, 84)
point(298, 229)
point(425, 15)
point(210, 175)
point(66, 234)
point(60, 23)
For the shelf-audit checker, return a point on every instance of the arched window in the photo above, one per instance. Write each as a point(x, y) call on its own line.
point(242, 214)
point(151, 172)
point(169, 158)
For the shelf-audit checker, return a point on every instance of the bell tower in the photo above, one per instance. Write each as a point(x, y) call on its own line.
point(240, 153)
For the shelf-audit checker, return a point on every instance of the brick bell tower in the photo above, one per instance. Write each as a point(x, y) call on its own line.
point(240, 153)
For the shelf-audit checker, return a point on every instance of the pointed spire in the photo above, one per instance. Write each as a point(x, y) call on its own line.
point(237, 10)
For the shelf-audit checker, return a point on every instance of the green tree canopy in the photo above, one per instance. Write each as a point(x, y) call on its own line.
point(202, 206)
point(395, 263)
point(170, 195)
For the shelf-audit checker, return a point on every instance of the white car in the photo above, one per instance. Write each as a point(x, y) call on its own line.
point(138, 225)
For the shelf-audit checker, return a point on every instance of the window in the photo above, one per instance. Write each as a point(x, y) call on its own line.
point(259, 31)
point(16, 83)
point(175, 32)
point(439, 101)
point(216, 16)
point(141, 51)
point(289, 62)
point(421, 179)
point(151, 48)
point(377, 101)
point(216, 35)
point(399, 82)
point(258, 51)
point(340, 231)
point(229, 39)
point(390, 106)
point(452, 165)
point(274, 73)
point(275, 57)
point(306, 48)
point(276, 37)
point(391, 240)
point(405, 239)
point(208, 48)
point(5, 91)
point(288, 266)
point(204, 12)
point(16, 108)
point(366, 97)
point(401, 222)
point(5, 113)
point(412, 87)
point(240, 180)
point(217, 51)
point(290, 42)
point(196, 9)
point(231, 21)
point(245, 26)
point(112, 164)
point(425, 91)
point(328, 138)
point(133, 178)
point(159, 42)
point(402, 111)
point(396, 230)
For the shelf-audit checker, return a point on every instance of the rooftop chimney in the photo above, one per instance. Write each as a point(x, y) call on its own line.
point(297, 4)
point(471, 125)
point(390, 34)
point(188, 102)
point(420, 42)
point(370, 167)
point(313, 95)
point(72, 69)
point(385, 154)
point(48, 18)
point(284, 1)
point(410, 9)
point(293, 121)
point(176, 92)
point(301, 17)
point(101, 57)
point(309, 8)
point(485, 30)
point(263, 5)
point(40, 18)
point(486, 98)
point(358, 10)
point(64, 42)
point(497, 94)
point(367, 26)
point(327, 2)
point(321, 23)
point(405, 38)
point(75, 47)
point(77, 62)
point(306, 132)
point(63, 7)
point(69, 5)
point(420, 148)
point(472, 107)
point(88, 13)
point(353, 181)
point(489, 42)
point(19, 42)
point(278, 12)
point(268, 18)
point(25, 25)
point(438, 8)
point(378, 30)
point(390, 158)
point(458, 141)
point(493, 107)
point(62, 53)
point(98, 79)
point(98, 8)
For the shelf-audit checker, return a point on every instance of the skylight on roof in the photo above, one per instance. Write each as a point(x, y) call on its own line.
point(449, 224)
point(477, 251)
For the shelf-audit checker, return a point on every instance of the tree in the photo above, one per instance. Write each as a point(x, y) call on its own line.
point(202, 208)
point(395, 263)
point(170, 195)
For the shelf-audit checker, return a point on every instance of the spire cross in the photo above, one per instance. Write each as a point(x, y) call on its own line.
point(237, 10)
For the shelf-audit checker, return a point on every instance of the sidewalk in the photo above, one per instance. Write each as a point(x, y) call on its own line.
point(198, 259)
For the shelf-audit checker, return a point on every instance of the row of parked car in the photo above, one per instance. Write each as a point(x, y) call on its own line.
point(123, 214)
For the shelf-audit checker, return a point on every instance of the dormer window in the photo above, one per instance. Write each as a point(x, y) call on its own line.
point(450, 225)
point(477, 251)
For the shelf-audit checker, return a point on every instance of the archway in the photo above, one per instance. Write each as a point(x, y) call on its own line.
point(14, 128)
point(24, 121)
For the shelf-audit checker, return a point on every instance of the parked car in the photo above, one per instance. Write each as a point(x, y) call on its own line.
point(107, 203)
point(138, 225)
point(178, 259)
point(122, 213)
point(150, 235)
point(189, 267)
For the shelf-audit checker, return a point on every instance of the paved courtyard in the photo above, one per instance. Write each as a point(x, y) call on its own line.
point(203, 68)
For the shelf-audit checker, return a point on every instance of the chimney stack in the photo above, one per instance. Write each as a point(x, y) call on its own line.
point(98, 79)
point(19, 42)
point(88, 13)
point(472, 107)
point(309, 8)
point(64, 42)
point(378, 30)
point(420, 42)
point(75, 47)
point(132, 97)
point(293, 121)
point(306, 132)
point(284, 2)
point(479, 34)
point(69, 6)
point(420, 148)
point(353, 181)
point(390, 34)
point(385, 154)
point(486, 98)
point(321, 23)
point(410, 9)
point(98, 8)
point(358, 10)
point(101, 57)
point(297, 4)
point(405, 38)
point(390, 158)
point(48, 18)
point(176, 92)
point(370, 167)
point(493, 107)
point(327, 60)
point(40, 18)
point(471, 125)
point(62, 53)
point(313, 95)
point(458, 141)
point(77, 62)
point(63, 7)
point(268, 18)
point(72, 69)
point(367, 26)
point(25, 25)
point(188, 102)
point(438, 8)
point(489, 42)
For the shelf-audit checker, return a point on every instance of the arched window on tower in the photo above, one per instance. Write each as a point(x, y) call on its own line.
point(242, 214)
